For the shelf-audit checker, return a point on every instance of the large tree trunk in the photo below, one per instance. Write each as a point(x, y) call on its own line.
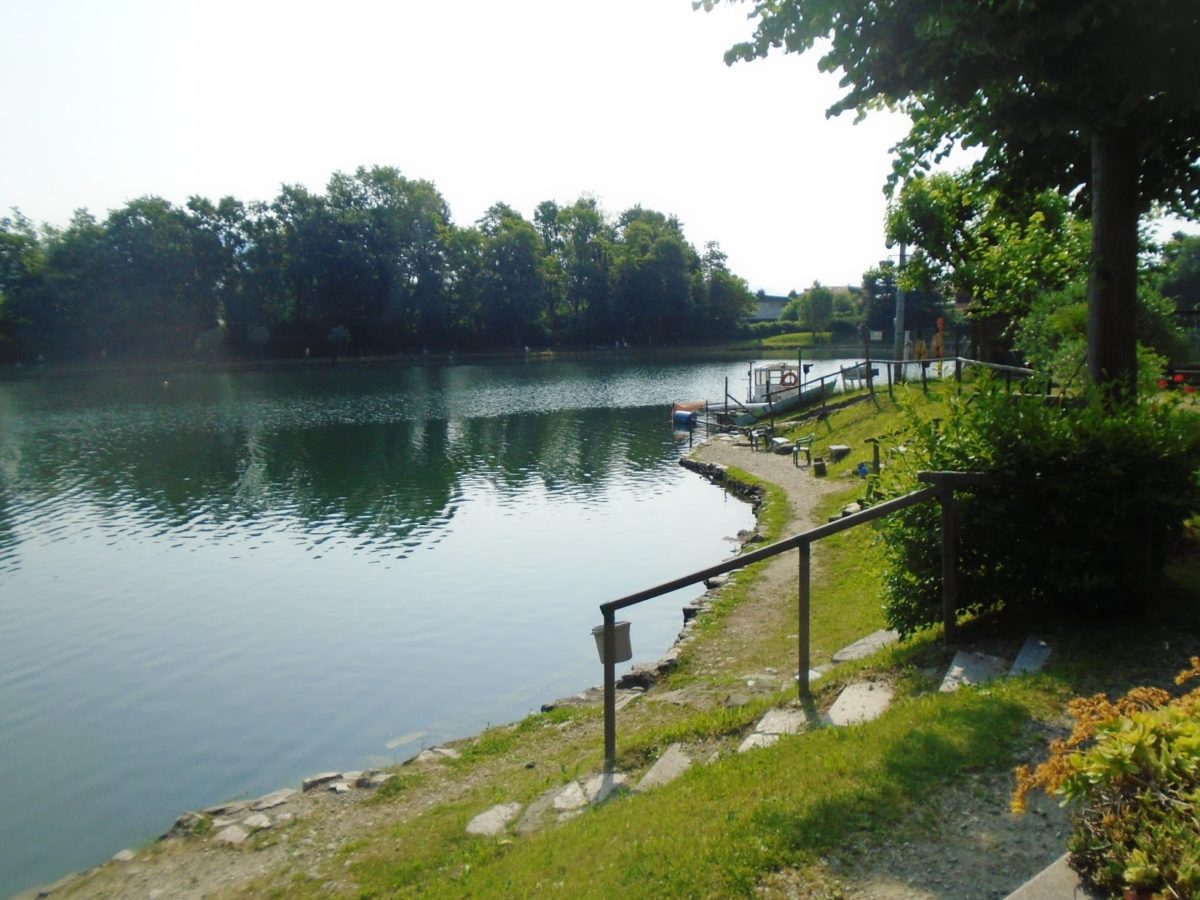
point(1112, 282)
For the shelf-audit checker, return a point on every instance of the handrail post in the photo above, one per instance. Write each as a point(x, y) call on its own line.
point(802, 542)
point(610, 690)
point(949, 561)
point(805, 600)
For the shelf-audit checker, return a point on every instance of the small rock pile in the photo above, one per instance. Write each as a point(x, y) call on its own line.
point(234, 822)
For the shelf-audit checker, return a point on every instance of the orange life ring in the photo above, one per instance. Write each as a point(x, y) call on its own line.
point(789, 379)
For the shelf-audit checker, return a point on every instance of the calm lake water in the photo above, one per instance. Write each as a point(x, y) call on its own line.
point(213, 586)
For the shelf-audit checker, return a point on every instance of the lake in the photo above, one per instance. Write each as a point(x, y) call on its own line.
point(213, 584)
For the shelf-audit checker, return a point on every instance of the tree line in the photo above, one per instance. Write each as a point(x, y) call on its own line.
point(373, 264)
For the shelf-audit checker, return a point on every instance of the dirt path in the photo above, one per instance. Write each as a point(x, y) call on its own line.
point(771, 609)
point(971, 847)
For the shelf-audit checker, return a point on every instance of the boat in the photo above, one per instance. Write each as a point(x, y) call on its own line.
point(775, 387)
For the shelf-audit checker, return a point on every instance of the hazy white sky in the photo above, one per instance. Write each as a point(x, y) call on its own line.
point(520, 101)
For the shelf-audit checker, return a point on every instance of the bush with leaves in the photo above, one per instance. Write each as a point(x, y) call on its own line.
point(1083, 502)
point(1130, 771)
point(1052, 338)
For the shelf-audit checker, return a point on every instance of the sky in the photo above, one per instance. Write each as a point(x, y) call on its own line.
point(629, 101)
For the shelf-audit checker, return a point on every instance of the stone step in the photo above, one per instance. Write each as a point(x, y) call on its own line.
point(872, 643)
point(673, 763)
point(775, 723)
point(860, 702)
point(1033, 657)
point(1058, 881)
point(972, 668)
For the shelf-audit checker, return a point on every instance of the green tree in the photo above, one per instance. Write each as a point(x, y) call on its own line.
point(306, 250)
point(464, 278)
point(1001, 253)
point(723, 299)
point(167, 273)
point(22, 271)
point(1091, 97)
point(223, 248)
point(389, 233)
point(791, 309)
point(588, 248)
point(816, 307)
point(654, 288)
point(1180, 271)
point(67, 320)
point(513, 276)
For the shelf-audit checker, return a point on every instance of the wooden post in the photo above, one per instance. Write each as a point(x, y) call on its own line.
point(874, 442)
point(803, 659)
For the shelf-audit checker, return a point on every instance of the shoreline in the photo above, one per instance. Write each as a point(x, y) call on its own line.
point(443, 357)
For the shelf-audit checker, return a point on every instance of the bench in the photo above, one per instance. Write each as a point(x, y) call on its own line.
point(760, 437)
point(803, 445)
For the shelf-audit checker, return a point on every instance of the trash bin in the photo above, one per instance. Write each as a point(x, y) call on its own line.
point(621, 644)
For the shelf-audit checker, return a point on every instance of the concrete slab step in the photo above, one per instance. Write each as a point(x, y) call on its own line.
point(859, 702)
point(673, 763)
point(1058, 881)
point(872, 643)
point(775, 723)
point(1033, 657)
point(972, 668)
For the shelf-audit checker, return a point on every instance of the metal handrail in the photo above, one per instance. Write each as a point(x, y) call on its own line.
point(943, 485)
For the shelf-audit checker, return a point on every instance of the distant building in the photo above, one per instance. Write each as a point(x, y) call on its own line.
point(768, 308)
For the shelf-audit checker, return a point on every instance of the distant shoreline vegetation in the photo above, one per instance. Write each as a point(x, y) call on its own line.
point(736, 349)
point(372, 266)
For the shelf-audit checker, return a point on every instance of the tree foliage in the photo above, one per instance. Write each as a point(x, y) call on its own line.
point(1180, 271)
point(971, 241)
point(1094, 98)
point(375, 254)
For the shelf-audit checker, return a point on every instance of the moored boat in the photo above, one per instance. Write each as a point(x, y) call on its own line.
point(774, 387)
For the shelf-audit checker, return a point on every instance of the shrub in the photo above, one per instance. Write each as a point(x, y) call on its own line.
point(1131, 773)
point(1084, 502)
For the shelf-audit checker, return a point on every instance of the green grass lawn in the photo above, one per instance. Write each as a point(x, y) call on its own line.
point(797, 339)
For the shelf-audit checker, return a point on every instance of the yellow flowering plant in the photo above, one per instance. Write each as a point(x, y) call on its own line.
point(1130, 773)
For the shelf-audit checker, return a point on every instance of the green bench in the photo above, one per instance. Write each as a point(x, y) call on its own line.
point(803, 445)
